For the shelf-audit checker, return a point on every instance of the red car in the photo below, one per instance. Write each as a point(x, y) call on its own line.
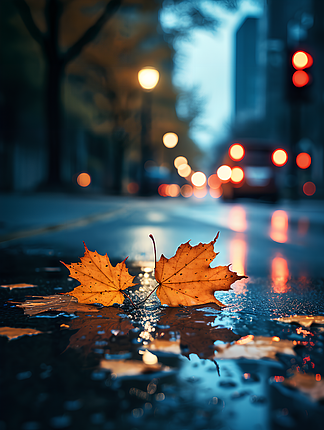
point(252, 169)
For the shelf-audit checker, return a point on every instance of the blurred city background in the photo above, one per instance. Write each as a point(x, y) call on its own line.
point(220, 86)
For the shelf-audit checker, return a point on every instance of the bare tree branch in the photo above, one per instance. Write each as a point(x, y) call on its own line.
point(26, 16)
point(92, 32)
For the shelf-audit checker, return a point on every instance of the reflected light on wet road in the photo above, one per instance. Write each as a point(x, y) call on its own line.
point(238, 256)
point(279, 274)
point(237, 219)
point(279, 226)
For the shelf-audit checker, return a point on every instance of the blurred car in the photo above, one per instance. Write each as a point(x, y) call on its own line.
point(252, 168)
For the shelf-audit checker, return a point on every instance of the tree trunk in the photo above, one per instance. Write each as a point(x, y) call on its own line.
point(54, 123)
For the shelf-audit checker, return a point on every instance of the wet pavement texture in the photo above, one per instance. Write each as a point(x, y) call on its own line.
point(67, 376)
point(232, 368)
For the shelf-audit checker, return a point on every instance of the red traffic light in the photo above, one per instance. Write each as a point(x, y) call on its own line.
point(300, 78)
point(301, 60)
point(303, 160)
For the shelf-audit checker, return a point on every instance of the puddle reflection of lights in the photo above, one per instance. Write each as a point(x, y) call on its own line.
point(237, 219)
point(149, 358)
point(279, 226)
point(279, 275)
point(238, 256)
point(245, 339)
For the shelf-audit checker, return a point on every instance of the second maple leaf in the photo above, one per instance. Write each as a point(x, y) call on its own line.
point(187, 278)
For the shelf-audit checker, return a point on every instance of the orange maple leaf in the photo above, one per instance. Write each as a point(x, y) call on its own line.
point(100, 281)
point(186, 279)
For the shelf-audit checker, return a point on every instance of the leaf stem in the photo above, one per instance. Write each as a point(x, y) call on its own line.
point(144, 300)
point(154, 247)
point(126, 295)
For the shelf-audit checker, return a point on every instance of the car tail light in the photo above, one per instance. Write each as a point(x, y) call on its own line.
point(279, 157)
point(237, 175)
point(236, 152)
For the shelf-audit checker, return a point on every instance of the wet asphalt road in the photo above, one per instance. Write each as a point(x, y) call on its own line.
point(279, 248)
point(258, 239)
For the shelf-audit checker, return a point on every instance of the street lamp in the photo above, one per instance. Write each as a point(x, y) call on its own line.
point(170, 139)
point(148, 78)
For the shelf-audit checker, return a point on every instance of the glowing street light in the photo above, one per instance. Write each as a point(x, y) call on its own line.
point(148, 78)
point(170, 140)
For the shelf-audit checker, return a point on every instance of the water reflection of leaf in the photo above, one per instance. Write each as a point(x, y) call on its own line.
point(256, 347)
point(40, 304)
point(195, 329)
point(18, 286)
point(304, 320)
point(131, 367)
point(14, 333)
point(309, 384)
point(95, 331)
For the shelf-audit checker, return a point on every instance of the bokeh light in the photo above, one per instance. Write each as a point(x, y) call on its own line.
point(84, 179)
point(279, 157)
point(198, 179)
point(170, 140)
point(186, 190)
point(184, 170)
point(173, 190)
point(309, 188)
point(236, 152)
point(303, 160)
point(224, 172)
point(237, 175)
point(162, 190)
point(148, 78)
point(180, 160)
point(214, 182)
point(133, 188)
point(301, 60)
point(300, 78)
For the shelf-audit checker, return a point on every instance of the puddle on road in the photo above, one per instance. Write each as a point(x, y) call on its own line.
point(93, 367)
